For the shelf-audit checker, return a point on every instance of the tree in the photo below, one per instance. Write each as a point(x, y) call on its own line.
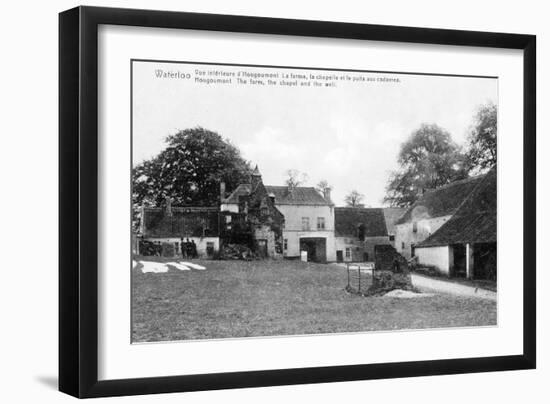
point(354, 199)
point(428, 159)
point(482, 139)
point(295, 178)
point(323, 186)
point(189, 170)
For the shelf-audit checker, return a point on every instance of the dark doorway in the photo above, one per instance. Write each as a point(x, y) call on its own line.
point(339, 256)
point(262, 248)
point(365, 257)
point(459, 261)
point(316, 248)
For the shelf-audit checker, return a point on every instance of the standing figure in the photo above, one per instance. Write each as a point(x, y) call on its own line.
point(183, 248)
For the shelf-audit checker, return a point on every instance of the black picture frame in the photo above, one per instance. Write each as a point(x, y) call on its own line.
point(78, 196)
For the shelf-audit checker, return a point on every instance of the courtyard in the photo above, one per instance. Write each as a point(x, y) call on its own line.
point(235, 299)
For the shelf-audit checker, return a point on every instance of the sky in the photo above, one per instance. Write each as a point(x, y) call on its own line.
point(347, 130)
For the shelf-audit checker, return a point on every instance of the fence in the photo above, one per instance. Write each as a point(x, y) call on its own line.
point(360, 276)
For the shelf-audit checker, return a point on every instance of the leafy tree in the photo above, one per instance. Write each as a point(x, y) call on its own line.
point(295, 178)
point(354, 199)
point(428, 159)
point(482, 139)
point(189, 171)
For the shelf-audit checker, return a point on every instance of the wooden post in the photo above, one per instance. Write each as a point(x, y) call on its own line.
point(469, 261)
point(347, 267)
point(359, 275)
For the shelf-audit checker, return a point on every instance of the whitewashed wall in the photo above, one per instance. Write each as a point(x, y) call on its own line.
point(293, 227)
point(439, 257)
point(405, 236)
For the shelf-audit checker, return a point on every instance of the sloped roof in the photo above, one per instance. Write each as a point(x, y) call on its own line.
point(442, 201)
point(299, 196)
point(392, 215)
point(242, 189)
point(184, 222)
point(475, 221)
point(347, 220)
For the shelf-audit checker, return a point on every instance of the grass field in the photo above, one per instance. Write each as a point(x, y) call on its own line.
point(263, 298)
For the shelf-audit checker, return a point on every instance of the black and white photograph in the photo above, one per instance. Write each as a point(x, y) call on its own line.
point(272, 201)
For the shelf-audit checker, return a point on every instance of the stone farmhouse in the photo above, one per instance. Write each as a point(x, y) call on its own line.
point(308, 218)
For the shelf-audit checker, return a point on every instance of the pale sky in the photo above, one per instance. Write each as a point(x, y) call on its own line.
point(349, 134)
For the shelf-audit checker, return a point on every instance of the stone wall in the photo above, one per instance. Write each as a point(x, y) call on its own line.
point(264, 232)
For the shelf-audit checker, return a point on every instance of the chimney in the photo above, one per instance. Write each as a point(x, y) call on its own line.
point(326, 194)
point(168, 206)
point(222, 191)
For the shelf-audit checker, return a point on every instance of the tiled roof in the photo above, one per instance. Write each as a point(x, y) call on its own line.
point(347, 221)
point(442, 201)
point(299, 196)
point(184, 222)
point(392, 215)
point(475, 221)
point(242, 189)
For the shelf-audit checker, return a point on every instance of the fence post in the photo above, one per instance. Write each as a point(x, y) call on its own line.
point(347, 267)
point(359, 276)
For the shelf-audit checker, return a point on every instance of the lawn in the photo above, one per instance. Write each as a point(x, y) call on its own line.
point(262, 298)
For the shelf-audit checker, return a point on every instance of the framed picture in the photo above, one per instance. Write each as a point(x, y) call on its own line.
point(251, 201)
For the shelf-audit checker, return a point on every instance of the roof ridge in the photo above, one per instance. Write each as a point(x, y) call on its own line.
point(456, 182)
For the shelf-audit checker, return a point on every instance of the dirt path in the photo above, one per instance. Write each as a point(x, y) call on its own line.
point(424, 282)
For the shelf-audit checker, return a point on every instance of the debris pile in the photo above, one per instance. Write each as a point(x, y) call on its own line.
point(237, 252)
point(386, 281)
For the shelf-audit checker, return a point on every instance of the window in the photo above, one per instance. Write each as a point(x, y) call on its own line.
point(305, 223)
point(392, 237)
point(415, 227)
point(320, 223)
point(348, 252)
point(228, 219)
point(402, 245)
point(285, 244)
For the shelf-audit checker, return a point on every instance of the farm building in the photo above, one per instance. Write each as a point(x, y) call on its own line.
point(433, 209)
point(358, 231)
point(251, 209)
point(465, 246)
point(309, 222)
point(306, 221)
point(176, 225)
